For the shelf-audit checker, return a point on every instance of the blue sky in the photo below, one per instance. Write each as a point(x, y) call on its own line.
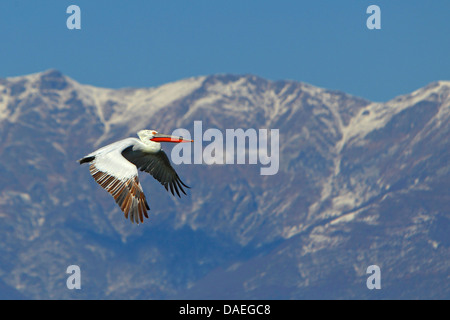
point(149, 43)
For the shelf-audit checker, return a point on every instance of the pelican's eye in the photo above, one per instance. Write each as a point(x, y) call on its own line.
point(153, 132)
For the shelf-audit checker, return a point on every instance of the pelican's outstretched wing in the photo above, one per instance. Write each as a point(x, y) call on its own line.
point(120, 178)
point(158, 165)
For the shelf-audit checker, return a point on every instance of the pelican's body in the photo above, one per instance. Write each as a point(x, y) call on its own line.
point(115, 168)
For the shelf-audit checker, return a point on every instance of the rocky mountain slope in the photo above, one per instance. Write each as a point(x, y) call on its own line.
point(359, 183)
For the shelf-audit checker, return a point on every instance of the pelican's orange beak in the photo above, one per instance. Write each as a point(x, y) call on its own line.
point(159, 137)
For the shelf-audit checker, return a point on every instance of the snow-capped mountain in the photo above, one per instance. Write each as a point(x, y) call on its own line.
point(359, 184)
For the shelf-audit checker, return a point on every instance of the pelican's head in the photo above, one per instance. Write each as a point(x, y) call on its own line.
point(155, 136)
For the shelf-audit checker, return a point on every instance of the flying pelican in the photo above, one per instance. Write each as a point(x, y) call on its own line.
point(114, 167)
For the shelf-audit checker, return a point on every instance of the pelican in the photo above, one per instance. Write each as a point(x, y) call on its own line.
point(114, 168)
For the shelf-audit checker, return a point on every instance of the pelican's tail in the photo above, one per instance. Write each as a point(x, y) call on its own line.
point(86, 159)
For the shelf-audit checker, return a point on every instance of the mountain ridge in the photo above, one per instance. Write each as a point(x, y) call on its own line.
point(357, 179)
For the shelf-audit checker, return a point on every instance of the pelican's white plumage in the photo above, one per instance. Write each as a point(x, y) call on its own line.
point(115, 168)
